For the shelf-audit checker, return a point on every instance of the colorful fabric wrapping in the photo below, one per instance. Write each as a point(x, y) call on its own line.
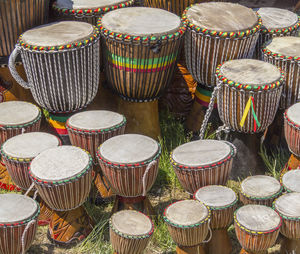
point(57, 122)
point(203, 95)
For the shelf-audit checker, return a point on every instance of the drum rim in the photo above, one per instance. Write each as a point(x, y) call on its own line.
point(206, 219)
point(249, 231)
point(231, 83)
point(282, 215)
point(147, 235)
point(281, 181)
point(289, 121)
point(183, 167)
point(213, 33)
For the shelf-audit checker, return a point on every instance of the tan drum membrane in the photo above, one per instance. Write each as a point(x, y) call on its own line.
point(86, 4)
point(292, 128)
point(291, 180)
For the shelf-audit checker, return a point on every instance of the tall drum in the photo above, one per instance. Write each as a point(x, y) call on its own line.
point(17, 16)
point(141, 46)
point(61, 61)
point(18, 223)
point(217, 32)
point(290, 180)
point(284, 52)
point(203, 162)
point(249, 94)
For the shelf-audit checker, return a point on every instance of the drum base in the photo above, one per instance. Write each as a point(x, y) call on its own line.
point(290, 246)
point(190, 250)
point(243, 251)
point(69, 227)
point(220, 243)
point(6, 183)
point(141, 204)
point(45, 214)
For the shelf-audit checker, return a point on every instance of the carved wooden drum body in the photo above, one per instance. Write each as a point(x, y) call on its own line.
point(290, 180)
point(284, 52)
point(217, 32)
point(18, 222)
point(18, 152)
point(260, 190)
point(203, 162)
point(249, 94)
point(141, 46)
point(61, 61)
point(130, 231)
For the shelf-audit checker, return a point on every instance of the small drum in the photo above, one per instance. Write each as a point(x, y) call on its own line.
point(188, 224)
point(87, 11)
point(276, 23)
point(290, 180)
point(140, 48)
point(260, 190)
point(90, 129)
point(62, 176)
point(203, 162)
point(18, 223)
point(130, 232)
point(249, 94)
point(18, 152)
point(292, 128)
point(217, 32)
point(61, 61)
point(256, 227)
point(17, 16)
point(222, 203)
point(284, 52)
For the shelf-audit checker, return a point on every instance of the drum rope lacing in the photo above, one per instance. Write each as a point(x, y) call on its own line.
point(24, 234)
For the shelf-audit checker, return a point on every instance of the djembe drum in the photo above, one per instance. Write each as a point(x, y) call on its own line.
point(188, 223)
point(130, 164)
point(256, 227)
point(249, 94)
point(130, 232)
point(63, 178)
point(288, 207)
point(290, 180)
point(260, 190)
point(18, 223)
point(284, 52)
point(17, 16)
point(217, 32)
point(275, 23)
point(203, 162)
point(222, 202)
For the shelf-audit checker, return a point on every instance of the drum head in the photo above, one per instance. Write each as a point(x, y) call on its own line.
point(216, 196)
point(276, 18)
point(17, 113)
point(291, 180)
point(251, 72)
point(289, 205)
point(86, 4)
point(260, 186)
point(293, 113)
point(131, 223)
point(95, 120)
point(287, 46)
point(222, 17)
point(258, 218)
point(29, 145)
point(58, 33)
point(129, 148)
point(186, 212)
point(59, 163)
point(201, 152)
point(141, 21)
point(16, 208)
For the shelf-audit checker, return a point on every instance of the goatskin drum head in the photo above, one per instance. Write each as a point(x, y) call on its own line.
point(293, 113)
point(291, 180)
point(86, 4)
point(287, 46)
point(289, 205)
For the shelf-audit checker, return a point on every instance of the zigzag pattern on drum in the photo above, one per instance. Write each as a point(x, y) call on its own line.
point(292, 135)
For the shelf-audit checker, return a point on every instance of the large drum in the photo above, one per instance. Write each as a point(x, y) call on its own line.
point(86, 11)
point(249, 94)
point(130, 232)
point(260, 190)
point(284, 52)
point(276, 23)
point(17, 16)
point(18, 152)
point(290, 180)
point(256, 227)
point(203, 162)
point(292, 128)
point(18, 223)
point(61, 61)
point(140, 48)
point(217, 32)
point(222, 202)
point(188, 224)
